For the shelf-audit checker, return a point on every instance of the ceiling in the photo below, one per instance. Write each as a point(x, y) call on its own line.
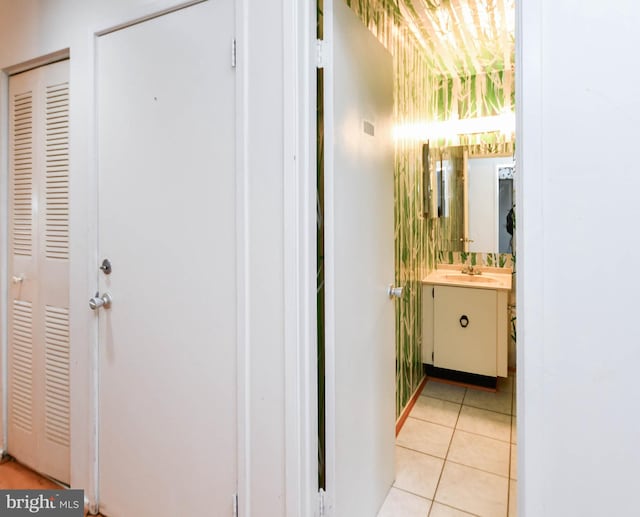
point(463, 37)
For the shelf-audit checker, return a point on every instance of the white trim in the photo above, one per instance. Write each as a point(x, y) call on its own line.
point(299, 95)
point(38, 62)
point(243, 250)
point(135, 19)
point(329, 264)
point(530, 252)
point(4, 259)
point(93, 483)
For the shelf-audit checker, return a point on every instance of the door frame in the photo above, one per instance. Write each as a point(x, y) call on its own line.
point(300, 287)
point(301, 194)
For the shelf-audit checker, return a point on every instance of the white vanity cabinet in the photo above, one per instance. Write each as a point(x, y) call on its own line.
point(465, 329)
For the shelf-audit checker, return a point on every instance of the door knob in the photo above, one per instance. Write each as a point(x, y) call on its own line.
point(18, 279)
point(395, 292)
point(100, 301)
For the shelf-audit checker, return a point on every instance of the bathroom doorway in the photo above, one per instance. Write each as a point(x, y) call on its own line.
point(419, 239)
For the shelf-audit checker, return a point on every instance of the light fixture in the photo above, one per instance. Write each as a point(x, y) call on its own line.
point(448, 129)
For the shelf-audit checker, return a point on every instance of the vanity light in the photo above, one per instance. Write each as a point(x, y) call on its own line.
point(448, 129)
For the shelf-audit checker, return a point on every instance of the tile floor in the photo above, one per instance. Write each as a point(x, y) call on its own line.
point(456, 454)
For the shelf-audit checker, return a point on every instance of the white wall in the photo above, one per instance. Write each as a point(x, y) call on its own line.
point(33, 28)
point(579, 189)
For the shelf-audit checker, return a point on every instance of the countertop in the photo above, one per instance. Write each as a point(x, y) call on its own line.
point(451, 274)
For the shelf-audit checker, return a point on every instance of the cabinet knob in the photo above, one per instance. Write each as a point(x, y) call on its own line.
point(464, 321)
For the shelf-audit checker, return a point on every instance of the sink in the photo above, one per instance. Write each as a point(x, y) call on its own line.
point(499, 279)
point(471, 278)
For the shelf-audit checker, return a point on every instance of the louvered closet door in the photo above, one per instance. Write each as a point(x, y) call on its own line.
point(38, 366)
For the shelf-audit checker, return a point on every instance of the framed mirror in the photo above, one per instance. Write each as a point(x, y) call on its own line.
point(472, 196)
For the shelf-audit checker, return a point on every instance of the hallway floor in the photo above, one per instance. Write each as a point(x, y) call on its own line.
point(456, 454)
point(14, 476)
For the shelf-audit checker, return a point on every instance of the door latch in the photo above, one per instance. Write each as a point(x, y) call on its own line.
point(106, 267)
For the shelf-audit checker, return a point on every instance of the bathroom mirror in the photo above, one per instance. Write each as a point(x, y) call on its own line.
point(470, 196)
point(443, 172)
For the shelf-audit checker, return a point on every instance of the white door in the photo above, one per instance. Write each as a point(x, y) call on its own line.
point(166, 224)
point(359, 254)
point(38, 312)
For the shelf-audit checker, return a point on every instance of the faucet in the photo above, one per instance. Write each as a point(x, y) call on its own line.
point(471, 270)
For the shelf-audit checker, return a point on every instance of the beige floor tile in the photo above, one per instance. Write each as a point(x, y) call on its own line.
point(513, 469)
point(425, 437)
point(402, 504)
point(440, 510)
point(514, 430)
point(480, 452)
point(444, 391)
point(417, 473)
point(473, 491)
point(436, 411)
point(513, 499)
point(499, 401)
point(487, 423)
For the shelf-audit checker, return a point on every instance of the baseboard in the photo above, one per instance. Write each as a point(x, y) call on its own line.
point(407, 409)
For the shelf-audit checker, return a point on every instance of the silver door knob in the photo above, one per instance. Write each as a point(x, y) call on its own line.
point(100, 301)
point(18, 279)
point(395, 292)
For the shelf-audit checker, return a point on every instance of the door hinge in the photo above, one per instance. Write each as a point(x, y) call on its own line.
point(320, 53)
point(321, 502)
point(433, 292)
point(234, 53)
point(433, 358)
point(235, 505)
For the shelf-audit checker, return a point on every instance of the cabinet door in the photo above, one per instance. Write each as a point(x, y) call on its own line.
point(465, 330)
